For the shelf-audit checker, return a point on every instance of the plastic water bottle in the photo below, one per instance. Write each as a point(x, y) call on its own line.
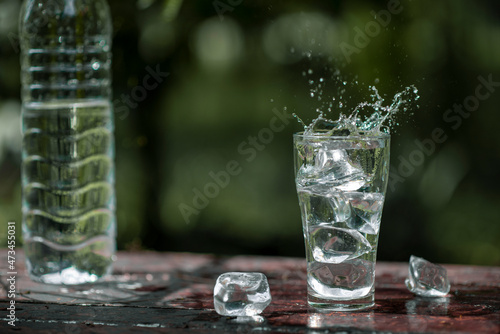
point(68, 205)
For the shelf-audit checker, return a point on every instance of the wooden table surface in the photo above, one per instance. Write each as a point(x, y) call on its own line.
point(173, 292)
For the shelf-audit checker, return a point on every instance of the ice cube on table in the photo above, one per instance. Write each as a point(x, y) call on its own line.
point(239, 294)
point(427, 279)
point(336, 245)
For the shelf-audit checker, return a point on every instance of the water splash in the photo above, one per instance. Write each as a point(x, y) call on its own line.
point(379, 117)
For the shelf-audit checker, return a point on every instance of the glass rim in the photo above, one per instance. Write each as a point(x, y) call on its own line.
point(379, 135)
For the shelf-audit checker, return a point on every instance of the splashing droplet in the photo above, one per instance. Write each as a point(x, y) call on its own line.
point(300, 120)
point(380, 117)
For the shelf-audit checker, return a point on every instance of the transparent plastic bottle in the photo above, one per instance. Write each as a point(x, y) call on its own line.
point(68, 205)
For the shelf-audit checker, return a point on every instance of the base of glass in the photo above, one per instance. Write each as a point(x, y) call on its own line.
point(324, 304)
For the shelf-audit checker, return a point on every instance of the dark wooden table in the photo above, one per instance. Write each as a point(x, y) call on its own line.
point(171, 292)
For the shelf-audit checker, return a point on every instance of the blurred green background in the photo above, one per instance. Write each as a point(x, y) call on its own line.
point(233, 65)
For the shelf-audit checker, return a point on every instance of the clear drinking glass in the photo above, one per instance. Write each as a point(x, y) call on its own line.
point(341, 184)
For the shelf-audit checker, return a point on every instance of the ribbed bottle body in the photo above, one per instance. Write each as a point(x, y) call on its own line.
point(69, 223)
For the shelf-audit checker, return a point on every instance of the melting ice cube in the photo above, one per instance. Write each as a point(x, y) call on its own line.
point(427, 279)
point(241, 294)
point(336, 245)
